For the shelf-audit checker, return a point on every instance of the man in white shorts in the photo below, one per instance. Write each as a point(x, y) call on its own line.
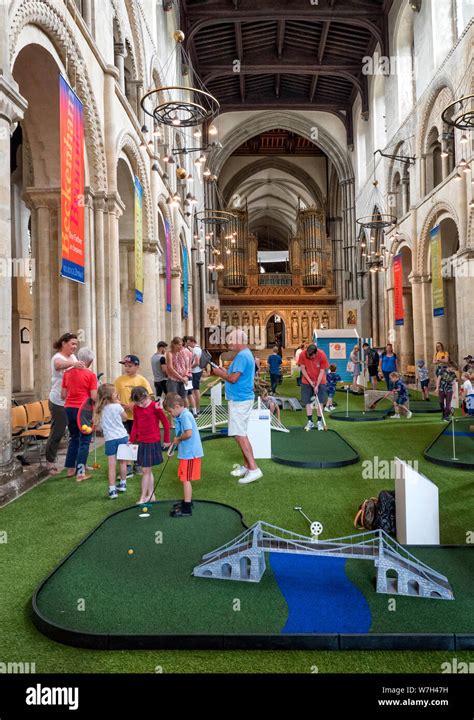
point(239, 392)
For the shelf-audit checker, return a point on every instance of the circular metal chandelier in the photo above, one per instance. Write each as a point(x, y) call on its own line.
point(378, 220)
point(215, 217)
point(178, 105)
point(460, 113)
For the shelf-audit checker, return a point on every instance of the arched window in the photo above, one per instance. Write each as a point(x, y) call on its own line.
point(378, 113)
point(361, 135)
point(397, 197)
point(434, 170)
point(404, 53)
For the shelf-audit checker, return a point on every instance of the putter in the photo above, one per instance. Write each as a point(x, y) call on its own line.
point(169, 454)
point(320, 411)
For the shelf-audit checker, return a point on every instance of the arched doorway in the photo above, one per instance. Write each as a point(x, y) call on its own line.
point(275, 331)
point(445, 326)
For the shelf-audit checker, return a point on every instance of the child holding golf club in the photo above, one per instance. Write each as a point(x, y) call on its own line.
point(401, 400)
point(424, 378)
point(190, 451)
point(110, 416)
point(147, 418)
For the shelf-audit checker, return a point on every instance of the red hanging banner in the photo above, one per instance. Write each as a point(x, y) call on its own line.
point(72, 182)
point(398, 289)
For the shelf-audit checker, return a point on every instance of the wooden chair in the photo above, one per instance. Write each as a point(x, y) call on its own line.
point(46, 411)
point(27, 426)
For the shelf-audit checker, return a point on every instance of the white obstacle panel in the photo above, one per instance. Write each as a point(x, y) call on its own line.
point(417, 506)
point(259, 432)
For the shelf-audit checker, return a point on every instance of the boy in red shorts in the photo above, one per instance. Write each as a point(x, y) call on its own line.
point(190, 452)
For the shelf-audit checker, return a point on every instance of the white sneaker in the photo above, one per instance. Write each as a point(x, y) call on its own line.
point(238, 471)
point(327, 409)
point(409, 414)
point(320, 425)
point(251, 476)
point(309, 425)
point(397, 416)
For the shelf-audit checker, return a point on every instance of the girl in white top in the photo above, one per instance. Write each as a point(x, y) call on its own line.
point(109, 415)
point(61, 361)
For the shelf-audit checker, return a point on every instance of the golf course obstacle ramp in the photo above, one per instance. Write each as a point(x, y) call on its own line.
point(314, 449)
point(243, 558)
point(454, 445)
point(214, 416)
point(288, 403)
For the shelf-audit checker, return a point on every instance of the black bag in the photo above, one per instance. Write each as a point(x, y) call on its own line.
point(374, 357)
point(385, 515)
point(377, 513)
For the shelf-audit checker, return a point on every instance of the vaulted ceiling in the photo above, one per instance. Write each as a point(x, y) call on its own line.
point(290, 54)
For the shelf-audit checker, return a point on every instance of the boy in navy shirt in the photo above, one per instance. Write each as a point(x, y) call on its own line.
point(400, 402)
point(332, 379)
point(190, 451)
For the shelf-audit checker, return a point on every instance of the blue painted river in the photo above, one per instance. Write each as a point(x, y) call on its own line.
point(320, 597)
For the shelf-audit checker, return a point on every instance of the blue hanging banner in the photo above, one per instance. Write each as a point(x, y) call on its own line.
point(185, 283)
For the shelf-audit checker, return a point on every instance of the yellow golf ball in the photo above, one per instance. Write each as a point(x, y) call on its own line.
point(85, 427)
point(145, 509)
point(130, 552)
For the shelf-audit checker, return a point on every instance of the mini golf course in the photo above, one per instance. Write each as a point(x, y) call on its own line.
point(313, 449)
point(128, 584)
point(457, 451)
point(361, 415)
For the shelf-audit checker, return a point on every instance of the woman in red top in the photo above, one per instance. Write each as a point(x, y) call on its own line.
point(147, 416)
point(78, 385)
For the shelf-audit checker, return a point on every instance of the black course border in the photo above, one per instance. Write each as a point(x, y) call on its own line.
point(319, 465)
point(300, 641)
point(446, 463)
point(338, 415)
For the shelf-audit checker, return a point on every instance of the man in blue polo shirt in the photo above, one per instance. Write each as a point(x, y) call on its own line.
point(240, 395)
point(274, 364)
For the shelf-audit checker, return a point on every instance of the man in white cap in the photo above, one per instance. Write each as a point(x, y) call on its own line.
point(240, 395)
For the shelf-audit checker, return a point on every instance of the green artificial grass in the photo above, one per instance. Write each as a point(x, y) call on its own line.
point(461, 453)
point(300, 448)
point(41, 527)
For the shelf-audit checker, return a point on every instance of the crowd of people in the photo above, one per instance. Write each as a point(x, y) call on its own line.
point(129, 412)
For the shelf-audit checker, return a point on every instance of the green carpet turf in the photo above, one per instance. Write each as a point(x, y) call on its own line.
point(406, 614)
point(40, 528)
point(162, 595)
point(462, 453)
point(317, 449)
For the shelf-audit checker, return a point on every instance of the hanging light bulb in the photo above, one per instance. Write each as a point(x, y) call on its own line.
point(176, 197)
point(471, 204)
point(190, 178)
point(166, 157)
point(467, 168)
point(144, 129)
point(171, 160)
point(464, 139)
point(202, 159)
point(175, 121)
point(155, 167)
point(207, 172)
point(462, 162)
point(227, 252)
point(458, 176)
point(444, 152)
point(197, 133)
point(212, 130)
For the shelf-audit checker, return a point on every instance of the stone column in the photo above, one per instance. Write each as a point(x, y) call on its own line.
point(125, 249)
point(115, 210)
point(464, 285)
point(86, 305)
point(101, 285)
point(119, 59)
point(176, 317)
point(405, 196)
point(406, 331)
point(87, 13)
point(420, 351)
point(43, 205)
point(12, 108)
point(422, 188)
point(196, 328)
point(427, 308)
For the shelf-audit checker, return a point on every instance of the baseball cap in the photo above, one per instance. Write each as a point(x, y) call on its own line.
point(311, 349)
point(468, 357)
point(130, 359)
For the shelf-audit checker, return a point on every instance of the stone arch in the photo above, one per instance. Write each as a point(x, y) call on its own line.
point(285, 121)
point(49, 18)
point(278, 164)
point(128, 145)
point(441, 95)
point(440, 211)
point(137, 37)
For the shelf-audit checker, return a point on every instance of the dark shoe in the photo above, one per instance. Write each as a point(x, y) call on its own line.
point(180, 504)
point(179, 512)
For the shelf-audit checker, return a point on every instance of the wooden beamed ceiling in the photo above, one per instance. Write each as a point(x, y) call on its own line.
point(269, 54)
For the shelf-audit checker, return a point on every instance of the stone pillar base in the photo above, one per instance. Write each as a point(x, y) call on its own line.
point(18, 480)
